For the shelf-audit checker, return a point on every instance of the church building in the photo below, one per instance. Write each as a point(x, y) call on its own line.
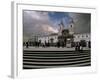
point(66, 36)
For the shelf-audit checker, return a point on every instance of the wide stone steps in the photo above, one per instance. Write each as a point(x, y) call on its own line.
point(49, 59)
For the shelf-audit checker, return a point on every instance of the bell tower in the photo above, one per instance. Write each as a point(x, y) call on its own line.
point(71, 27)
point(61, 27)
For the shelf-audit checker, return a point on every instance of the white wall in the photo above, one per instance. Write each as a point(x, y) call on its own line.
point(46, 38)
point(5, 39)
point(79, 37)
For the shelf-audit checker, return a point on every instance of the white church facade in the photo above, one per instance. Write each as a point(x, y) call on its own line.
point(77, 37)
point(65, 37)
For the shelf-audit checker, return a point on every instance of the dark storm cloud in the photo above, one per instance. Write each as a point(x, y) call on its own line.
point(82, 22)
point(37, 22)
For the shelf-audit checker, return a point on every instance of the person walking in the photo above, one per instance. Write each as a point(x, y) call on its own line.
point(27, 44)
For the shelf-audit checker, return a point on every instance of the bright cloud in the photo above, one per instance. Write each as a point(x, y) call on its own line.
point(37, 22)
point(48, 28)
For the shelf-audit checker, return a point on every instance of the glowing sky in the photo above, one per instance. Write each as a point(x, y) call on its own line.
point(41, 22)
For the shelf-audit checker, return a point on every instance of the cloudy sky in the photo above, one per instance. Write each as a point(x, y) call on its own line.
point(42, 22)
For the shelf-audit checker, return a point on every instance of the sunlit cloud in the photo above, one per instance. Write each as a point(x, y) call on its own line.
point(48, 28)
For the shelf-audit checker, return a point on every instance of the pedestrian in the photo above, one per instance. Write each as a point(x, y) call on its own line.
point(27, 45)
point(81, 48)
point(76, 47)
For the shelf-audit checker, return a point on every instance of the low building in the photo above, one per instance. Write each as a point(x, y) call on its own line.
point(53, 38)
point(66, 37)
point(48, 38)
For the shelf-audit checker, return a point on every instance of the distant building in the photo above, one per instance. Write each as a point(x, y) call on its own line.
point(66, 36)
point(77, 38)
point(82, 36)
point(48, 38)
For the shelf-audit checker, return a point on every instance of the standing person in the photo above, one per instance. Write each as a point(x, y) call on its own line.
point(76, 46)
point(45, 43)
point(27, 45)
point(89, 44)
point(23, 43)
point(58, 44)
point(81, 47)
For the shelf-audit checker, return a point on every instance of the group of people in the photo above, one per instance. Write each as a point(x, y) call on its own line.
point(78, 47)
point(28, 43)
point(39, 44)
